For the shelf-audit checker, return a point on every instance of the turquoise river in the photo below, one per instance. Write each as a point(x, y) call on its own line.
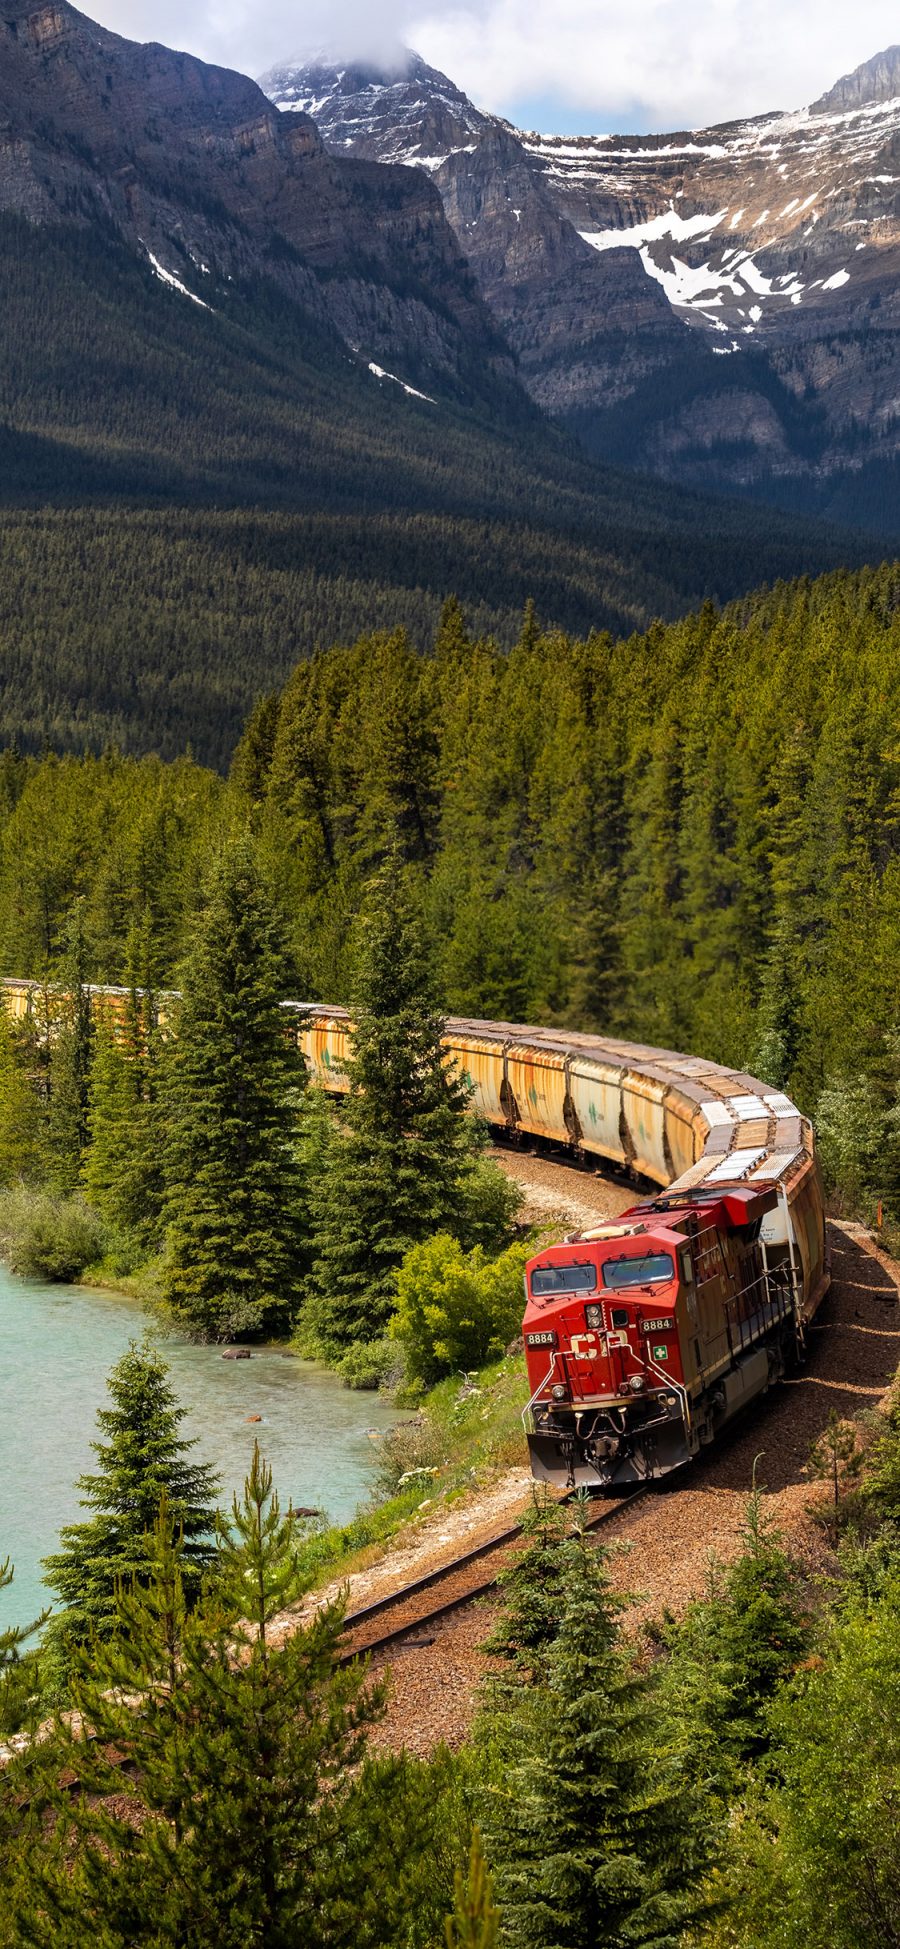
point(57, 1344)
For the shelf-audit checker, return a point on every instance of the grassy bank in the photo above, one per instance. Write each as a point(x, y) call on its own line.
point(465, 1430)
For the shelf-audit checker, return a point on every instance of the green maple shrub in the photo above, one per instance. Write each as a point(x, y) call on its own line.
point(456, 1310)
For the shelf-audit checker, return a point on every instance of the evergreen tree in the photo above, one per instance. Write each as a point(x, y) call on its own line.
point(816, 1853)
point(398, 1162)
point(14, 1675)
point(836, 1458)
point(141, 1457)
point(594, 1835)
point(732, 1652)
point(70, 1059)
point(533, 1590)
point(234, 1184)
point(23, 1133)
point(123, 1174)
point(242, 1741)
point(114, 1105)
point(475, 1922)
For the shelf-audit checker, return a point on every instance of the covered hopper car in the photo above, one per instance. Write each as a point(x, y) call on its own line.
point(642, 1338)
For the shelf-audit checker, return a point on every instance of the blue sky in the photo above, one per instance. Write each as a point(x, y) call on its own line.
point(552, 114)
point(570, 66)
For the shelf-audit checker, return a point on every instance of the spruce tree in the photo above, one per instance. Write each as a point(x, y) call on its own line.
point(23, 1132)
point(593, 1836)
point(399, 1156)
point(533, 1590)
point(113, 1110)
point(732, 1651)
point(234, 1183)
point(123, 1174)
point(242, 1741)
point(70, 1058)
point(141, 1457)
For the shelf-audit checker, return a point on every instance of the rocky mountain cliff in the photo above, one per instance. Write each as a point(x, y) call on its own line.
point(718, 305)
point(194, 168)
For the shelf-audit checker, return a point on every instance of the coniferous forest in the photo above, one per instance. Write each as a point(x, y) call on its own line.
point(326, 682)
point(689, 838)
point(688, 835)
point(190, 501)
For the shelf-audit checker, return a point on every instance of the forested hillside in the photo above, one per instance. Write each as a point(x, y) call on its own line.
point(191, 499)
point(691, 838)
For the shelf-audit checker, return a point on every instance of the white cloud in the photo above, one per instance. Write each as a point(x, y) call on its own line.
point(658, 63)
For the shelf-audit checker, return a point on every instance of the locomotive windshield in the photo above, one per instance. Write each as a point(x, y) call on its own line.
point(651, 1270)
point(549, 1280)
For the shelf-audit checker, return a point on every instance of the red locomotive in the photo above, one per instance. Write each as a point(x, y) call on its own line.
point(644, 1337)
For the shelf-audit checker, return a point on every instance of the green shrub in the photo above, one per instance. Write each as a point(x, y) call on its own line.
point(410, 1456)
point(455, 1309)
point(371, 1364)
point(43, 1237)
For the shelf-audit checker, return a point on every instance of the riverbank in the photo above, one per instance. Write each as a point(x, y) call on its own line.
point(440, 1472)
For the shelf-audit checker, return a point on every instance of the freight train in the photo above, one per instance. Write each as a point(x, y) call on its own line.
point(645, 1337)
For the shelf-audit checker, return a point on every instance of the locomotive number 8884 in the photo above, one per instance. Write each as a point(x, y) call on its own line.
point(644, 1337)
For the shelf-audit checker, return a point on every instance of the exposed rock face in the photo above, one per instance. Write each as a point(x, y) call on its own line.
point(877, 80)
point(408, 114)
point(561, 309)
point(197, 169)
point(721, 304)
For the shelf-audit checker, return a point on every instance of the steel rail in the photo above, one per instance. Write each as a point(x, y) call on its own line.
point(355, 1620)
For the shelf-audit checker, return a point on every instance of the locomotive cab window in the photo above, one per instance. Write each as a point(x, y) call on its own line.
point(547, 1281)
point(653, 1269)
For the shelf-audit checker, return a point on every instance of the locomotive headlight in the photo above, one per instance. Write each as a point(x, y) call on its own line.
point(593, 1316)
point(559, 1393)
point(637, 1383)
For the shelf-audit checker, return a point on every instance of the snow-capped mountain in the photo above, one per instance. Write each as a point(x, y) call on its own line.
point(624, 269)
point(743, 225)
point(196, 171)
point(411, 115)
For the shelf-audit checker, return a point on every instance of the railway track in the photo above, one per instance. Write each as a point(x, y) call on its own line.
point(409, 1611)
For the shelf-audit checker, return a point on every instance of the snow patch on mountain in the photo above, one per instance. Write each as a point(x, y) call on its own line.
point(168, 277)
point(380, 373)
point(700, 286)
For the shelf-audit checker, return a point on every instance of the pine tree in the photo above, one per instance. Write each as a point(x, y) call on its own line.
point(234, 1184)
point(397, 1164)
point(733, 1651)
point(21, 1840)
point(836, 1458)
point(242, 1741)
point(23, 1134)
point(123, 1174)
point(142, 1457)
point(533, 1591)
point(113, 1112)
point(475, 1922)
point(594, 1835)
point(70, 1059)
point(14, 1677)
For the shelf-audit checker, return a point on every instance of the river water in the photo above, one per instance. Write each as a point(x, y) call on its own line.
point(57, 1344)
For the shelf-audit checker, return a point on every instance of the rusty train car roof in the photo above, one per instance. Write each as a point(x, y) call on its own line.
point(750, 1132)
